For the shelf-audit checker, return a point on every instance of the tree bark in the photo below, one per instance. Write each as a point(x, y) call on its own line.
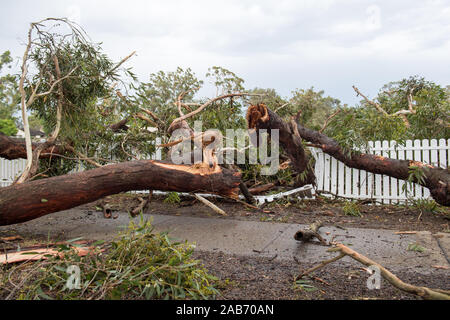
point(12, 149)
point(31, 200)
point(260, 117)
point(436, 179)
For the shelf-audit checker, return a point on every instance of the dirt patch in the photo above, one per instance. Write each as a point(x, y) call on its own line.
point(262, 278)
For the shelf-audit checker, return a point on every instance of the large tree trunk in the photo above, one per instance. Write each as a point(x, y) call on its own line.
point(436, 179)
point(31, 200)
point(261, 117)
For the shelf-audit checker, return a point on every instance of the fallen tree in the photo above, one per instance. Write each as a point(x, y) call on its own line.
point(436, 179)
point(33, 199)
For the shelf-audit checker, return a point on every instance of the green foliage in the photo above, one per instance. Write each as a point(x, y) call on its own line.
point(351, 208)
point(83, 90)
point(89, 102)
point(304, 285)
point(416, 247)
point(431, 101)
point(429, 206)
point(225, 80)
point(160, 94)
point(139, 264)
point(9, 93)
point(172, 198)
point(314, 106)
point(355, 126)
point(8, 127)
point(269, 97)
point(416, 174)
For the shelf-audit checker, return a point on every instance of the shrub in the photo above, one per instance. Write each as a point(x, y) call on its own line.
point(140, 264)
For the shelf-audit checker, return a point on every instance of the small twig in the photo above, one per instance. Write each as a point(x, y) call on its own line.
point(405, 232)
point(281, 107)
point(122, 62)
point(322, 264)
point(320, 280)
point(329, 119)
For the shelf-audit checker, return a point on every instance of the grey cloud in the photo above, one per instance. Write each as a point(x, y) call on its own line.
point(280, 44)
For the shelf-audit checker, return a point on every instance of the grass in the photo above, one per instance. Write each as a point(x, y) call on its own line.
point(416, 247)
point(304, 285)
point(429, 206)
point(172, 198)
point(352, 208)
point(139, 264)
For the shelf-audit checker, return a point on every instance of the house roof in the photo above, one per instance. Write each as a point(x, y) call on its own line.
point(35, 133)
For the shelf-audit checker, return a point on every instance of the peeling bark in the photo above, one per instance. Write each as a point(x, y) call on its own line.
point(33, 199)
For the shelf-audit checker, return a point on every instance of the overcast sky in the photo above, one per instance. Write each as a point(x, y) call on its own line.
point(280, 44)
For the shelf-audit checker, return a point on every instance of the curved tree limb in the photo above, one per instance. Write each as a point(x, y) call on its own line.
point(436, 179)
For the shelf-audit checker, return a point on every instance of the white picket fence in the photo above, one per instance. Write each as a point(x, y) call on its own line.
point(9, 169)
point(338, 179)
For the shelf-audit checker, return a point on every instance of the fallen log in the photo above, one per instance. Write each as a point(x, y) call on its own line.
point(33, 199)
point(310, 233)
point(12, 149)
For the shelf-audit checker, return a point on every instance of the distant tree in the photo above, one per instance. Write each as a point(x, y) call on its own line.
point(9, 92)
point(35, 123)
point(8, 127)
point(160, 93)
point(412, 108)
point(313, 106)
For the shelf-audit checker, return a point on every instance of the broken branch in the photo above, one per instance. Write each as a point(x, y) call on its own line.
point(210, 204)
